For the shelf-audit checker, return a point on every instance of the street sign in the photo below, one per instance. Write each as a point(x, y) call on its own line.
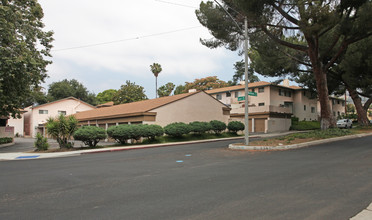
point(242, 98)
point(252, 93)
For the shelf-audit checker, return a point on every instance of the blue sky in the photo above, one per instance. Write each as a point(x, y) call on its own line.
point(129, 36)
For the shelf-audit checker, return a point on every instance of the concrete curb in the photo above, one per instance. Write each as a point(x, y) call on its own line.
point(7, 145)
point(296, 146)
point(366, 214)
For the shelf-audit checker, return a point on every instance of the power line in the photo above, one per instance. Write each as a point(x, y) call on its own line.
point(127, 39)
point(172, 3)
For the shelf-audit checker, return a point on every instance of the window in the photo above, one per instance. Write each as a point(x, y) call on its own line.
point(228, 94)
point(62, 112)
point(42, 112)
point(289, 94)
point(334, 113)
point(261, 104)
point(304, 93)
point(338, 113)
point(343, 103)
point(333, 101)
point(252, 90)
point(236, 94)
point(218, 96)
point(285, 93)
point(338, 102)
point(261, 89)
point(280, 92)
point(312, 109)
point(304, 107)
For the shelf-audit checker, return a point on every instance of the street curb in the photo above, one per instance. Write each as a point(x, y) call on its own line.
point(296, 146)
point(365, 214)
point(113, 149)
point(7, 145)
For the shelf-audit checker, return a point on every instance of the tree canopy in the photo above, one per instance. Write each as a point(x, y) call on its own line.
point(129, 92)
point(24, 50)
point(166, 89)
point(106, 96)
point(314, 34)
point(239, 73)
point(67, 88)
point(207, 83)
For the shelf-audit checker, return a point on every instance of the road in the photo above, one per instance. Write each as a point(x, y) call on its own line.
point(199, 181)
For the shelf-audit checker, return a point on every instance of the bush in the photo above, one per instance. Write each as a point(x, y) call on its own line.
point(305, 125)
point(6, 140)
point(235, 126)
point(62, 128)
point(152, 131)
point(41, 143)
point(120, 133)
point(177, 129)
point(199, 127)
point(217, 126)
point(90, 135)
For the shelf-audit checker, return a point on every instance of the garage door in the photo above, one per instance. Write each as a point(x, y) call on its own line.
point(259, 125)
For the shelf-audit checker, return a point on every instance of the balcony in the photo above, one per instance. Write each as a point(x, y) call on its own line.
point(239, 109)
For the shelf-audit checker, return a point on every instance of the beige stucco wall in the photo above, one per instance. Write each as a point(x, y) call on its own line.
point(7, 131)
point(278, 124)
point(18, 124)
point(198, 107)
point(71, 106)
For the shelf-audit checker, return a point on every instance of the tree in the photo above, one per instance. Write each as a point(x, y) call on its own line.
point(24, 50)
point(62, 128)
point(37, 96)
point(67, 88)
point(156, 69)
point(179, 89)
point(130, 92)
point(207, 83)
point(166, 89)
point(239, 73)
point(322, 30)
point(106, 96)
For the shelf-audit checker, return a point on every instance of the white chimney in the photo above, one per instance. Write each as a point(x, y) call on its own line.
point(286, 82)
point(192, 90)
point(242, 82)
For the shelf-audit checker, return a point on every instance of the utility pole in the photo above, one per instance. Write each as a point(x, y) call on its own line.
point(246, 112)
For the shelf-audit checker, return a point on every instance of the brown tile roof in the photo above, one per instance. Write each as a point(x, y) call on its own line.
point(107, 104)
point(238, 87)
point(129, 108)
point(60, 100)
point(295, 87)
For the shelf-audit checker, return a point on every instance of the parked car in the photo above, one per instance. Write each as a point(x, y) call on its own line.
point(344, 123)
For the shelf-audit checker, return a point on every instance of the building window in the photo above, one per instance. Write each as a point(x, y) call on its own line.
point(228, 94)
point(289, 94)
point(261, 104)
point(334, 113)
point(62, 112)
point(333, 102)
point(304, 93)
point(338, 102)
point(261, 89)
point(236, 94)
point(218, 96)
point(285, 92)
point(343, 103)
point(280, 92)
point(338, 113)
point(252, 90)
point(304, 107)
point(43, 112)
point(312, 109)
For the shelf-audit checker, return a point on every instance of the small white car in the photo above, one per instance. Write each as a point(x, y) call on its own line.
point(344, 123)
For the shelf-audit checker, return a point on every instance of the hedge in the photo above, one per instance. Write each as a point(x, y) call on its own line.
point(200, 127)
point(6, 140)
point(235, 126)
point(90, 135)
point(177, 129)
point(217, 126)
point(123, 133)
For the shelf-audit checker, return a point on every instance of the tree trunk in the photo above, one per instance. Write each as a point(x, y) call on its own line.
point(361, 112)
point(156, 87)
point(326, 118)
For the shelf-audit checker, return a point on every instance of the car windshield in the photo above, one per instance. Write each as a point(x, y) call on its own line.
point(341, 121)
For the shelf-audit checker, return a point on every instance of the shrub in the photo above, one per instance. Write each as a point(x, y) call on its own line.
point(41, 142)
point(120, 133)
point(61, 128)
point(235, 126)
point(90, 135)
point(177, 129)
point(199, 127)
point(217, 126)
point(6, 140)
point(305, 125)
point(152, 131)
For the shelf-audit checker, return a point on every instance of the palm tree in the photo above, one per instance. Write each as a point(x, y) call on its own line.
point(156, 69)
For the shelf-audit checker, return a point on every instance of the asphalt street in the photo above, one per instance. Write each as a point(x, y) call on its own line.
point(199, 181)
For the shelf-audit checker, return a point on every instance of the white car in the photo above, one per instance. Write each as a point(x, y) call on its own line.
point(344, 123)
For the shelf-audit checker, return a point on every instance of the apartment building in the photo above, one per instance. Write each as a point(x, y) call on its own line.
point(271, 106)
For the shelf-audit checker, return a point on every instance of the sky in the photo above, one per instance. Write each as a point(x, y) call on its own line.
point(102, 44)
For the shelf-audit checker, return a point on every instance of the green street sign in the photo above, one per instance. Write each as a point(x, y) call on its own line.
point(241, 98)
point(252, 93)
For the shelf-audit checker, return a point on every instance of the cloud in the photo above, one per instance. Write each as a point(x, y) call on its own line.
point(87, 22)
